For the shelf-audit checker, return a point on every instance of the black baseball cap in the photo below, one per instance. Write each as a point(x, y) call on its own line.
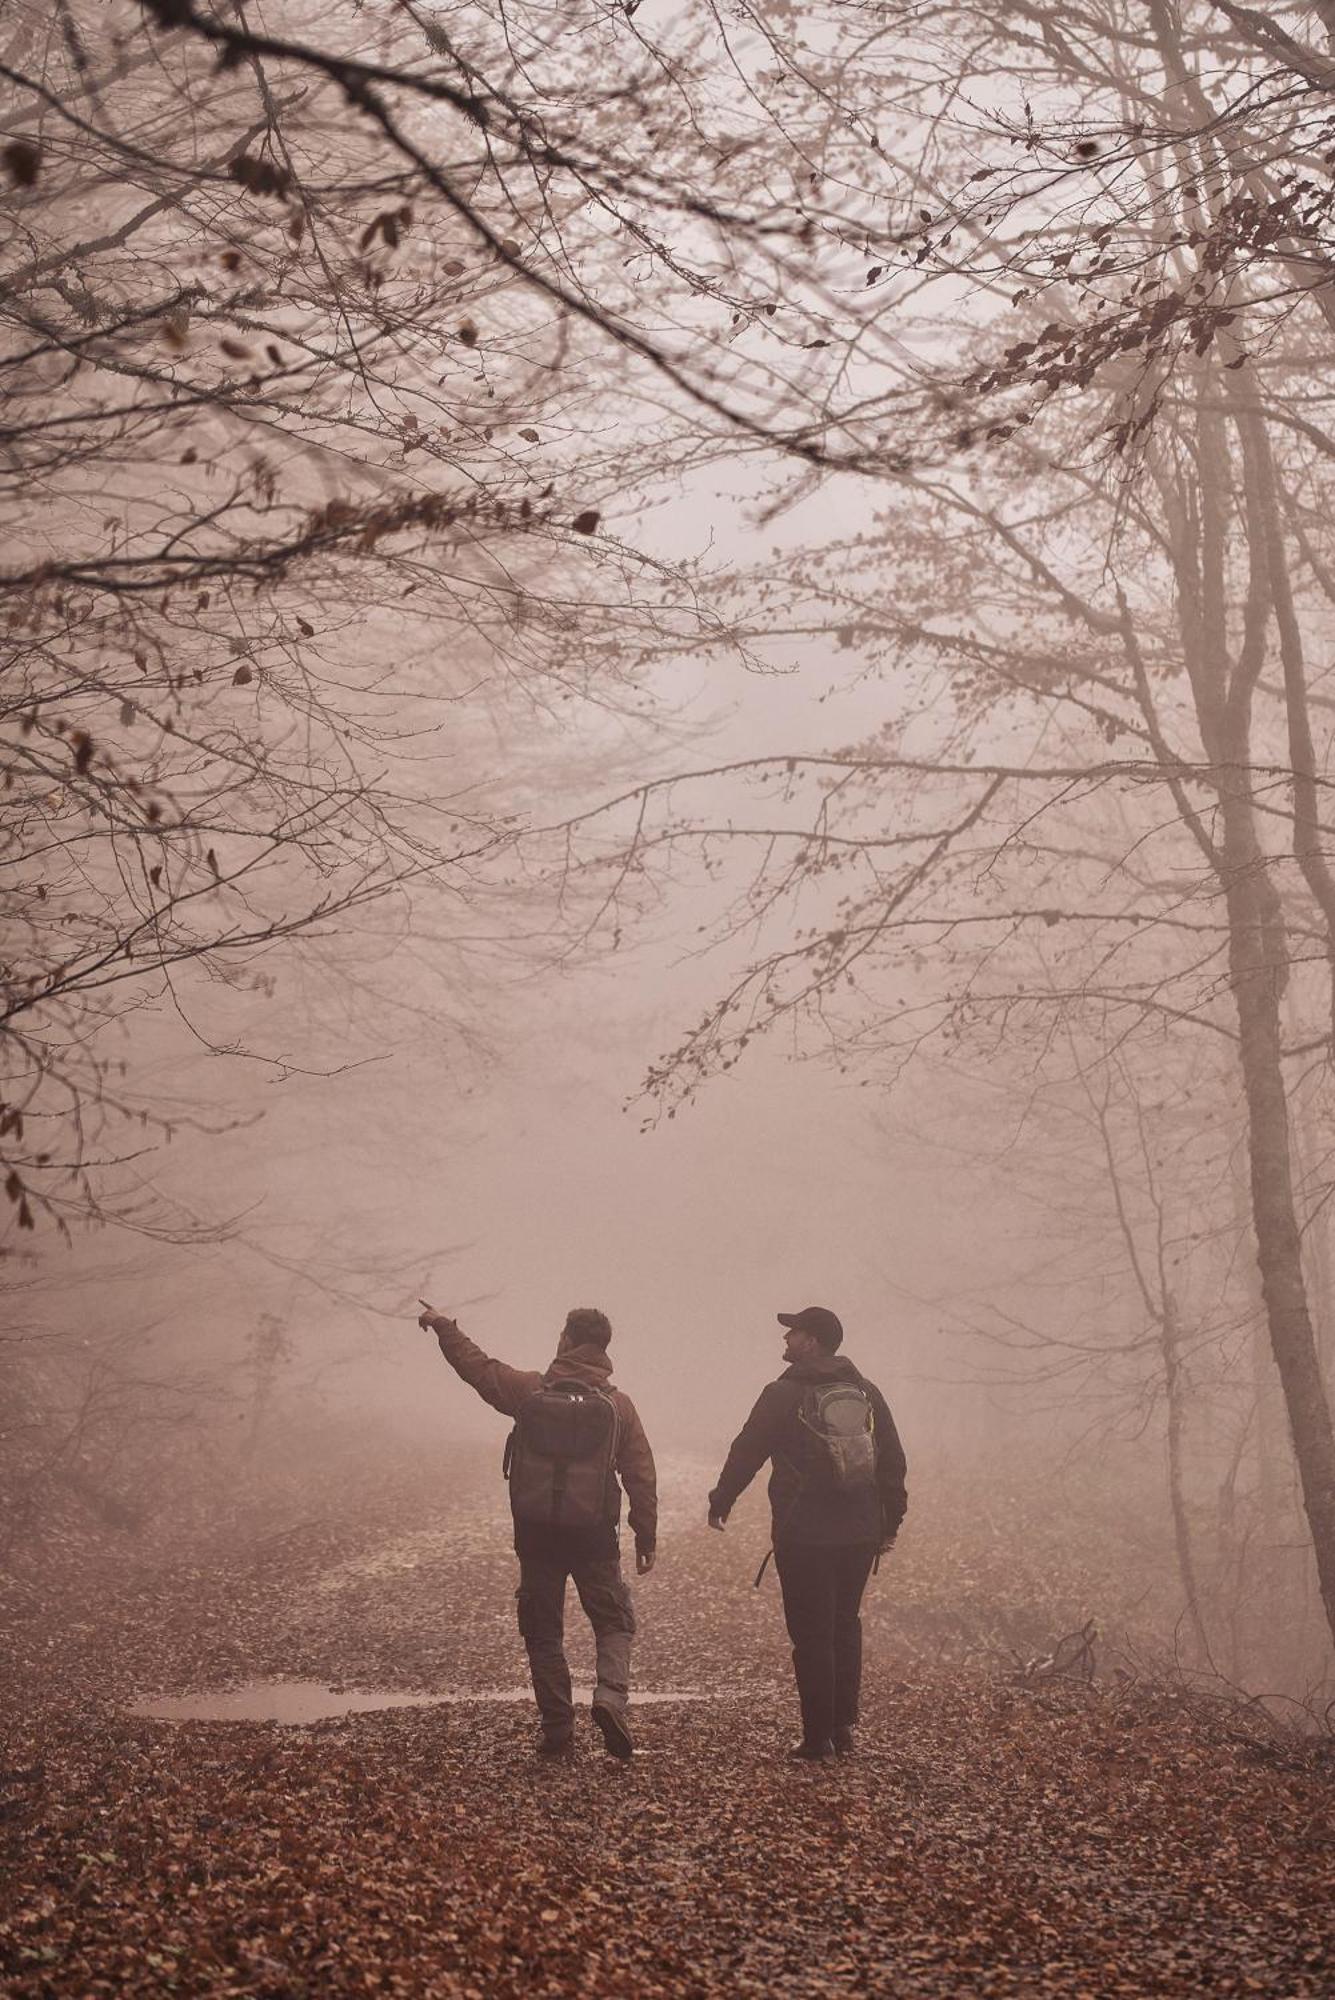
point(817, 1320)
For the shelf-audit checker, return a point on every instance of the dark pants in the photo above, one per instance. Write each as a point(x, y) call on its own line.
point(542, 1605)
point(822, 1599)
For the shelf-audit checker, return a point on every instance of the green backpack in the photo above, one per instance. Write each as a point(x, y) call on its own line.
point(839, 1415)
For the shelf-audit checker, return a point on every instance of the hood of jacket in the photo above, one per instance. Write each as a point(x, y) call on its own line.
point(584, 1364)
point(827, 1368)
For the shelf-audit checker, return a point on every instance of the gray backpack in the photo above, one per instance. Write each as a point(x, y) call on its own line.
point(839, 1415)
point(561, 1456)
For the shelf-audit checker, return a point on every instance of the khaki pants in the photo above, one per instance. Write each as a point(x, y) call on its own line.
point(541, 1600)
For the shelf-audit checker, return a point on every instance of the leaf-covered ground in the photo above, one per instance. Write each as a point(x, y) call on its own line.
point(990, 1838)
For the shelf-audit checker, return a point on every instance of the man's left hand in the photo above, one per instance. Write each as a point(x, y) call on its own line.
point(644, 1561)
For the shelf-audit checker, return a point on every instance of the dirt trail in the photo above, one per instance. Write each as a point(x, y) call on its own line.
point(989, 1838)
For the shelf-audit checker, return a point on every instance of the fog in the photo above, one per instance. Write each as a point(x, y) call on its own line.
point(672, 664)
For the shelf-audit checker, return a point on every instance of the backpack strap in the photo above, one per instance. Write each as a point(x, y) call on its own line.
point(788, 1513)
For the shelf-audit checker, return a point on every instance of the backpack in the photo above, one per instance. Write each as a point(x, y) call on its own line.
point(840, 1417)
point(560, 1456)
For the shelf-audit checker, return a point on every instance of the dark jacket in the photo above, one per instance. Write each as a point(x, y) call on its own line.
point(806, 1508)
point(505, 1388)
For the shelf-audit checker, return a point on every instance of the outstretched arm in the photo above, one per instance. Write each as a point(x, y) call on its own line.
point(753, 1444)
point(505, 1388)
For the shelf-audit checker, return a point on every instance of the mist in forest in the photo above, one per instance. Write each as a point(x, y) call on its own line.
point(673, 664)
point(747, 899)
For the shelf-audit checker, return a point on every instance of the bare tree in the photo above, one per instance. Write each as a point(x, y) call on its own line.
point(1104, 568)
point(300, 484)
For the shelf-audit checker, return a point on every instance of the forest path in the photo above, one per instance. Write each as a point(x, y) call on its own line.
point(989, 1838)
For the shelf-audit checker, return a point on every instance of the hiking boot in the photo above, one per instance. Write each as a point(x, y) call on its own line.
point(615, 1734)
point(842, 1739)
point(556, 1743)
point(812, 1753)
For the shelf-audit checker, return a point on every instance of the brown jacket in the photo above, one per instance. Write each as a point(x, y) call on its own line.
point(505, 1388)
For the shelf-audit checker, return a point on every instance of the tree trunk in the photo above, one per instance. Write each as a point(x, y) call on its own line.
point(1257, 945)
point(1173, 1389)
point(1257, 977)
point(1270, 1570)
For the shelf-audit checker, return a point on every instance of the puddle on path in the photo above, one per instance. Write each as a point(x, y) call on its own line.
point(310, 1701)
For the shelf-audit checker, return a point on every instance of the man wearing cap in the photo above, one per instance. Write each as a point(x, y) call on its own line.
point(827, 1531)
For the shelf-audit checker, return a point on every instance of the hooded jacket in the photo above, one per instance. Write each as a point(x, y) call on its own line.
point(506, 1388)
point(806, 1507)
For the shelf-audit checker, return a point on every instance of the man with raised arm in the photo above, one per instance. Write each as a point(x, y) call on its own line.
point(837, 1496)
point(575, 1436)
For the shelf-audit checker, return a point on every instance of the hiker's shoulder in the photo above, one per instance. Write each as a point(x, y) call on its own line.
point(877, 1395)
point(785, 1392)
point(868, 1387)
point(624, 1402)
point(843, 1369)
